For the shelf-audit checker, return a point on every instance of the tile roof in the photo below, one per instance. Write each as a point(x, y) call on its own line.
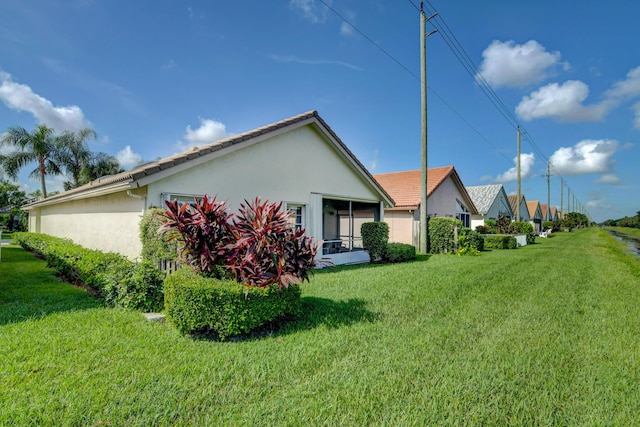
point(404, 187)
point(151, 168)
point(544, 208)
point(532, 207)
point(513, 201)
point(483, 196)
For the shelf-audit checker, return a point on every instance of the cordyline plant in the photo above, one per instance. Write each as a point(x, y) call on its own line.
point(204, 232)
point(257, 247)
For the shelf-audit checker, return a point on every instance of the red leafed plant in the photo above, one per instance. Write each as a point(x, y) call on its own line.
point(204, 232)
point(266, 249)
point(258, 247)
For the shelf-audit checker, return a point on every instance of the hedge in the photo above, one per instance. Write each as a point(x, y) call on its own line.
point(441, 234)
point(500, 242)
point(195, 304)
point(375, 236)
point(523, 227)
point(115, 278)
point(399, 252)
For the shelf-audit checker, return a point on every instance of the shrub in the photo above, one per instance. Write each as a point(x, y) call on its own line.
point(441, 234)
point(500, 242)
point(155, 247)
point(523, 227)
point(547, 225)
point(257, 248)
point(492, 226)
point(200, 305)
point(375, 236)
point(399, 252)
point(470, 239)
point(503, 225)
point(119, 281)
point(483, 229)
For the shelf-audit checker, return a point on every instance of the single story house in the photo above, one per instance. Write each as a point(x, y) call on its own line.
point(524, 211)
point(546, 212)
point(299, 161)
point(446, 196)
point(491, 202)
point(535, 215)
point(554, 214)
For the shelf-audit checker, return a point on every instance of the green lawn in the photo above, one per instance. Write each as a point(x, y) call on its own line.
point(548, 334)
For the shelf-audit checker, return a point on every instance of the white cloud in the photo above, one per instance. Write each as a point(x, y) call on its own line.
point(21, 98)
point(526, 169)
point(209, 131)
point(628, 88)
point(516, 65)
point(373, 164)
point(128, 158)
point(311, 10)
point(608, 179)
point(588, 156)
point(636, 119)
point(346, 29)
point(563, 102)
point(294, 59)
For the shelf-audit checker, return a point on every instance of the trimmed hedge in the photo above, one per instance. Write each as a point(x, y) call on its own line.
point(115, 278)
point(523, 227)
point(195, 304)
point(400, 252)
point(375, 236)
point(441, 234)
point(469, 239)
point(500, 242)
point(156, 248)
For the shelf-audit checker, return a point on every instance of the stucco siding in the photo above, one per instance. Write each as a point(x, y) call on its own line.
point(400, 226)
point(113, 220)
point(442, 202)
point(288, 167)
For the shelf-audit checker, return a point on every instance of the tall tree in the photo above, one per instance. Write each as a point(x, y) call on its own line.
point(100, 164)
point(37, 146)
point(74, 154)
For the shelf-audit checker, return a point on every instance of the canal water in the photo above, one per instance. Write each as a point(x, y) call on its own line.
point(632, 242)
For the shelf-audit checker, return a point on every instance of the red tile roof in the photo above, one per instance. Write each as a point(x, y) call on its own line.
point(532, 206)
point(404, 187)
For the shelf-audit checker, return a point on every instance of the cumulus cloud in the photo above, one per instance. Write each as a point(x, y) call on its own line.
point(636, 119)
point(208, 132)
point(516, 65)
point(608, 179)
point(20, 97)
point(563, 102)
point(128, 158)
point(587, 156)
point(627, 88)
point(310, 9)
point(526, 169)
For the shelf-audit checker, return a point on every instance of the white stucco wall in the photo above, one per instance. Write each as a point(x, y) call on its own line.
point(107, 223)
point(442, 202)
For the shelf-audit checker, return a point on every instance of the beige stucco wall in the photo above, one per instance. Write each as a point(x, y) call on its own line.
point(400, 226)
point(287, 167)
point(107, 223)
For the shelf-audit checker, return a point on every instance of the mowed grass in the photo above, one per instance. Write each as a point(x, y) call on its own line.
point(634, 232)
point(548, 334)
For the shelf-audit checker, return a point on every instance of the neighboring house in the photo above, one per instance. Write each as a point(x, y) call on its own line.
point(546, 212)
point(446, 196)
point(524, 212)
point(299, 161)
point(535, 215)
point(491, 202)
point(554, 214)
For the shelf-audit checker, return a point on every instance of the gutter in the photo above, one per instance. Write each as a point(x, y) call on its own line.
point(137, 196)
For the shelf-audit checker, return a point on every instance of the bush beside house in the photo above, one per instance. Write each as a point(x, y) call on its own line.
point(121, 282)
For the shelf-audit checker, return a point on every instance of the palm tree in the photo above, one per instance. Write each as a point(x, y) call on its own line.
point(38, 146)
point(100, 164)
point(74, 154)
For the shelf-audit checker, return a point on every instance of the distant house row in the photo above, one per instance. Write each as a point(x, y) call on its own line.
point(299, 161)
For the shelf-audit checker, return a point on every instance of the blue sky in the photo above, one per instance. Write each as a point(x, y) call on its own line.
point(155, 77)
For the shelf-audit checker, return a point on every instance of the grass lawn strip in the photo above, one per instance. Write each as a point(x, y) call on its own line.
point(546, 334)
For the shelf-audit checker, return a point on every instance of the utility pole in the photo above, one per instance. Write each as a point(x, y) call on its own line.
point(424, 219)
point(518, 171)
point(548, 190)
point(561, 198)
point(568, 200)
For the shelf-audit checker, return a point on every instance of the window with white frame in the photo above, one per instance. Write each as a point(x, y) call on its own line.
point(462, 213)
point(181, 198)
point(296, 216)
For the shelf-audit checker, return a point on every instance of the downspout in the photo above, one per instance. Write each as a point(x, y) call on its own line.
point(137, 196)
